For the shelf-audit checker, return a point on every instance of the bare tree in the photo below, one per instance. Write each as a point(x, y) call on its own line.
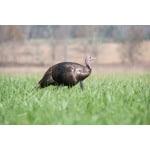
point(131, 47)
point(55, 36)
point(14, 34)
point(66, 40)
point(95, 41)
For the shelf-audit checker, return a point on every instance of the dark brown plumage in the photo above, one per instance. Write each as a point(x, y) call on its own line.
point(66, 74)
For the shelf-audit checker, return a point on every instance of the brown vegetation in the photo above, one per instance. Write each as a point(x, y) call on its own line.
point(36, 55)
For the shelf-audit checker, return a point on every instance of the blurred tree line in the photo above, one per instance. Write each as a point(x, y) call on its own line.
point(130, 37)
point(115, 33)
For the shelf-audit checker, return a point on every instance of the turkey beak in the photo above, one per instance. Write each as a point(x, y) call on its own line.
point(93, 58)
point(38, 86)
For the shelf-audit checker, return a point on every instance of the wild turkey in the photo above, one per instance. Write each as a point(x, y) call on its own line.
point(66, 74)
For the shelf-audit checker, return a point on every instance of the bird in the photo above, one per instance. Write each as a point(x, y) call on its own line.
point(66, 74)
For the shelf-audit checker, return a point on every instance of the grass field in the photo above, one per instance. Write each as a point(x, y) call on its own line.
point(106, 99)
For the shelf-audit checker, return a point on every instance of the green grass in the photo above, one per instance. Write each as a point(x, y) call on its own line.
point(106, 99)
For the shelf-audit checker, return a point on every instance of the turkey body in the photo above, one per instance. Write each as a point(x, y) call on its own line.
point(66, 74)
point(69, 74)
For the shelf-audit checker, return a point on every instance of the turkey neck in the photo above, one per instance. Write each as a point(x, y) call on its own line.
point(88, 65)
